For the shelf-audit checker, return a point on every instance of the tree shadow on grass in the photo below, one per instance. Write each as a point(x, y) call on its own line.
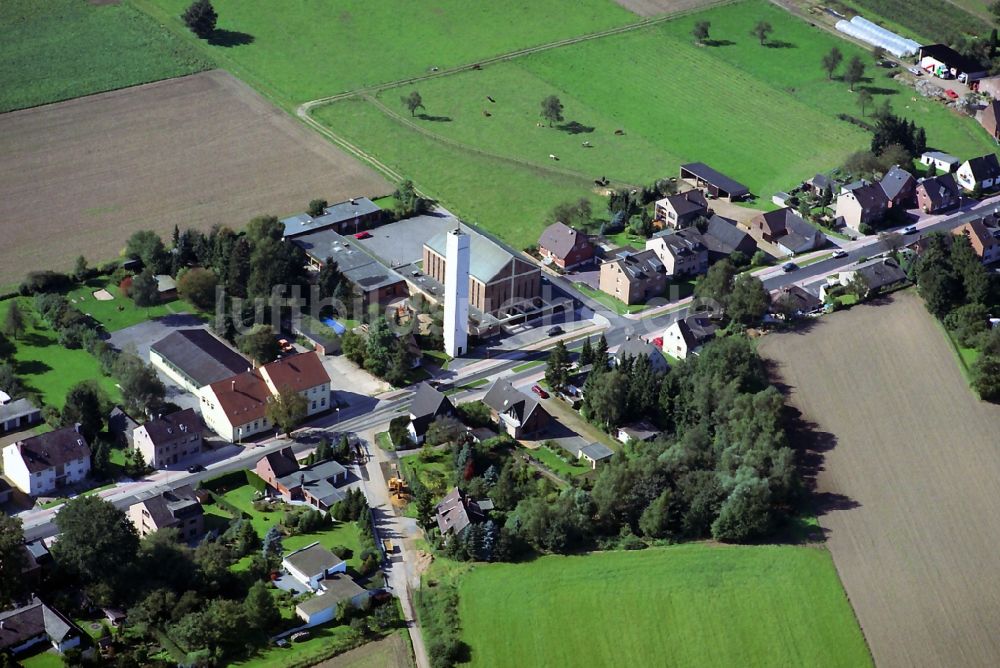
point(32, 368)
point(875, 90)
point(779, 44)
point(576, 128)
point(35, 340)
point(436, 119)
point(719, 42)
point(230, 38)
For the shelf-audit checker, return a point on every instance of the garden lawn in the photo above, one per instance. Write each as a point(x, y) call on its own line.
point(120, 312)
point(340, 535)
point(764, 115)
point(435, 471)
point(324, 642)
point(61, 49)
point(43, 659)
point(688, 605)
point(299, 50)
point(555, 463)
point(46, 367)
point(613, 303)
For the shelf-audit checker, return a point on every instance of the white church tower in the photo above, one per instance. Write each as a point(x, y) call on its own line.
point(456, 293)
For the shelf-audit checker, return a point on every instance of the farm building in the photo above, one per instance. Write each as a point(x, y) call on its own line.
point(349, 217)
point(946, 63)
point(194, 358)
point(870, 33)
point(722, 238)
point(717, 184)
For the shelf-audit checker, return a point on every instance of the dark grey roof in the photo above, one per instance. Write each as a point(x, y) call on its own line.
point(687, 202)
point(640, 431)
point(682, 243)
point(940, 188)
point(717, 179)
point(16, 409)
point(880, 273)
point(312, 559)
point(355, 264)
point(897, 182)
point(985, 167)
point(597, 451)
point(559, 239)
point(332, 215)
point(801, 299)
point(820, 181)
point(637, 347)
point(53, 449)
point(506, 400)
point(722, 236)
point(870, 195)
point(428, 400)
point(172, 505)
point(696, 330)
point(200, 356)
point(456, 511)
point(486, 258)
point(799, 235)
point(943, 157)
point(339, 587)
point(120, 422)
point(27, 622)
point(640, 265)
point(168, 427)
point(317, 481)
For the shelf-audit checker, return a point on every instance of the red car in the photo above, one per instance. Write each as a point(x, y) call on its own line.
point(362, 235)
point(952, 94)
point(537, 389)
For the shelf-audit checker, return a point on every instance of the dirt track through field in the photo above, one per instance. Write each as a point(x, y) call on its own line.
point(78, 177)
point(908, 482)
point(657, 7)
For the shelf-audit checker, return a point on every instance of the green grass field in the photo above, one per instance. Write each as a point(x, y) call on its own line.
point(120, 312)
point(689, 605)
point(61, 49)
point(747, 110)
point(555, 463)
point(48, 368)
point(299, 50)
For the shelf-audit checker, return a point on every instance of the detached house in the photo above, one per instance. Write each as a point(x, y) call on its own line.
point(787, 230)
point(898, 186)
point(983, 172)
point(865, 205)
point(169, 438)
point(565, 247)
point(35, 624)
point(316, 485)
point(878, 274)
point(312, 564)
point(937, 193)
point(47, 462)
point(633, 277)
point(518, 414)
point(984, 240)
point(174, 509)
point(682, 252)
point(679, 211)
point(723, 238)
point(634, 348)
point(428, 405)
point(456, 512)
point(687, 336)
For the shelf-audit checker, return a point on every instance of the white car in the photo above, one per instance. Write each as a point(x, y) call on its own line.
point(840, 254)
point(911, 229)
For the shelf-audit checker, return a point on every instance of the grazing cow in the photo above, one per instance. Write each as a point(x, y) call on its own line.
point(619, 132)
point(553, 156)
point(490, 98)
point(486, 113)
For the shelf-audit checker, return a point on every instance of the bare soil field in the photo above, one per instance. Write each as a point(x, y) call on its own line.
point(908, 466)
point(656, 7)
point(78, 177)
point(391, 652)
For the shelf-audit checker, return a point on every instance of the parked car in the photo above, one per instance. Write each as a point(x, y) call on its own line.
point(301, 635)
point(910, 229)
point(196, 468)
point(915, 71)
point(840, 254)
point(789, 266)
point(537, 389)
point(555, 331)
point(951, 94)
point(362, 235)
point(286, 346)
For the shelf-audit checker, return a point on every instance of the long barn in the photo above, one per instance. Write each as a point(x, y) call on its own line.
point(717, 184)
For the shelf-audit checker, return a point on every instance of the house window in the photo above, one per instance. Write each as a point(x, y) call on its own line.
point(313, 405)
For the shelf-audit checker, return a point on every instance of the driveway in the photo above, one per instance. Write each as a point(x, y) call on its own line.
point(348, 380)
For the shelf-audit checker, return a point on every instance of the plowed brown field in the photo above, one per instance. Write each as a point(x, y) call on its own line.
point(78, 177)
point(909, 480)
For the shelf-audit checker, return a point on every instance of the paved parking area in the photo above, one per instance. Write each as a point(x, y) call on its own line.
point(403, 242)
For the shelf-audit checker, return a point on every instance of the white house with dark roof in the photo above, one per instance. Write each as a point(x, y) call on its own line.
point(687, 336)
point(194, 358)
point(680, 210)
point(169, 439)
point(428, 404)
point(517, 413)
point(312, 564)
point(47, 462)
point(337, 588)
point(983, 171)
point(682, 252)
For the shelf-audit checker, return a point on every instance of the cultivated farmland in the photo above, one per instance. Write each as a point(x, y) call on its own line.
point(300, 50)
point(78, 177)
point(747, 110)
point(61, 49)
point(689, 605)
point(908, 480)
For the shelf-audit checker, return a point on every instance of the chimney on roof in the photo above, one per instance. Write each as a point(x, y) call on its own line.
point(232, 385)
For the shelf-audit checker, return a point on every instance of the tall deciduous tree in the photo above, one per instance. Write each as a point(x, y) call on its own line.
point(197, 285)
point(316, 207)
point(864, 99)
point(97, 542)
point(145, 290)
point(701, 31)
point(412, 102)
point(11, 560)
point(378, 350)
point(260, 344)
point(13, 322)
point(148, 247)
point(855, 71)
point(287, 410)
point(552, 109)
point(84, 406)
point(142, 389)
point(260, 608)
point(748, 301)
point(557, 369)
point(200, 17)
point(761, 30)
point(237, 272)
point(831, 61)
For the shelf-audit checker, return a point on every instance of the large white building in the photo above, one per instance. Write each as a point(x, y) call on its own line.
point(456, 294)
point(236, 408)
point(47, 462)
